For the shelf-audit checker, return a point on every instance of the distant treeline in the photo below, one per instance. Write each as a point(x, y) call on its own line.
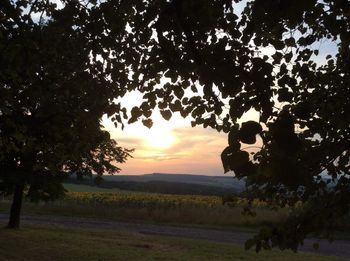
point(164, 187)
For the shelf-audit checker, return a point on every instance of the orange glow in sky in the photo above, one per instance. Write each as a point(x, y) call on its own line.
point(170, 146)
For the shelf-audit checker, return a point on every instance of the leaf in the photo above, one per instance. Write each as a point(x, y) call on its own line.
point(288, 57)
point(290, 42)
point(136, 112)
point(132, 120)
point(166, 114)
point(179, 93)
point(148, 123)
point(238, 159)
point(277, 57)
point(225, 158)
point(147, 113)
point(236, 108)
point(176, 106)
point(248, 131)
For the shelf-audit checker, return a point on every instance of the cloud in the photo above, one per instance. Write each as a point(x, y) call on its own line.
point(199, 141)
point(194, 151)
point(164, 157)
point(129, 141)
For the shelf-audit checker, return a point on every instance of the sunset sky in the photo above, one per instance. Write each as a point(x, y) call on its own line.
point(170, 146)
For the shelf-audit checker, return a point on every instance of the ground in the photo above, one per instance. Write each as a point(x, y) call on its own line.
point(68, 238)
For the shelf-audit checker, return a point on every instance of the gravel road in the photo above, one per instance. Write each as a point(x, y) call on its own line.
point(339, 248)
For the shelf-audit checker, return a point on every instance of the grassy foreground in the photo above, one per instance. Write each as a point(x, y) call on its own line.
point(57, 243)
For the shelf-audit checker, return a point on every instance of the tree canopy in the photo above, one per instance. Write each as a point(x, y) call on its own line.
point(220, 64)
point(52, 98)
point(267, 59)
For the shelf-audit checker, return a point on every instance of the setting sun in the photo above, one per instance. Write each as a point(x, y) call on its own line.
point(158, 137)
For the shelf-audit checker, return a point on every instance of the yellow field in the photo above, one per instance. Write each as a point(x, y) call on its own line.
point(142, 199)
point(157, 208)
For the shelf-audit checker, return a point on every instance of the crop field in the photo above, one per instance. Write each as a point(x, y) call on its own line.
point(148, 200)
point(155, 208)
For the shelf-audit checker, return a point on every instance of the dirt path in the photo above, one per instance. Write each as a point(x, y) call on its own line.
point(340, 248)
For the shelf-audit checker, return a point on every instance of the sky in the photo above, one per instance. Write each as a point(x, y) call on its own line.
point(169, 146)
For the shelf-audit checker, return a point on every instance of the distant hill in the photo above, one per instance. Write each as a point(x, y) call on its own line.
point(171, 183)
point(217, 181)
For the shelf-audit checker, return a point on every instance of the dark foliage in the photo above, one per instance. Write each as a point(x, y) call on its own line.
point(52, 98)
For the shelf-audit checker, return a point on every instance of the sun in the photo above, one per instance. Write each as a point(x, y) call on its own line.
point(160, 138)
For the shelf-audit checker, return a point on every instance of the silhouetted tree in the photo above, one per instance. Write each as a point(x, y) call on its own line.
point(288, 61)
point(53, 93)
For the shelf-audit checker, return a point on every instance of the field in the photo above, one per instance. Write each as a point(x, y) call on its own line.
point(58, 243)
point(154, 208)
point(36, 241)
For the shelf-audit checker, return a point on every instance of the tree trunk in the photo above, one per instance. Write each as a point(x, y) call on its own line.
point(16, 207)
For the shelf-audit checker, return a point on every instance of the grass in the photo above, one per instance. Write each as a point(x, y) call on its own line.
point(58, 243)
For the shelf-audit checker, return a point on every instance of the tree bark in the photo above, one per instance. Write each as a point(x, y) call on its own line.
point(16, 206)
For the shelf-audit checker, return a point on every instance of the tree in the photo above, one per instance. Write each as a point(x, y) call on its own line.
point(52, 98)
point(301, 95)
point(305, 151)
point(208, 49)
